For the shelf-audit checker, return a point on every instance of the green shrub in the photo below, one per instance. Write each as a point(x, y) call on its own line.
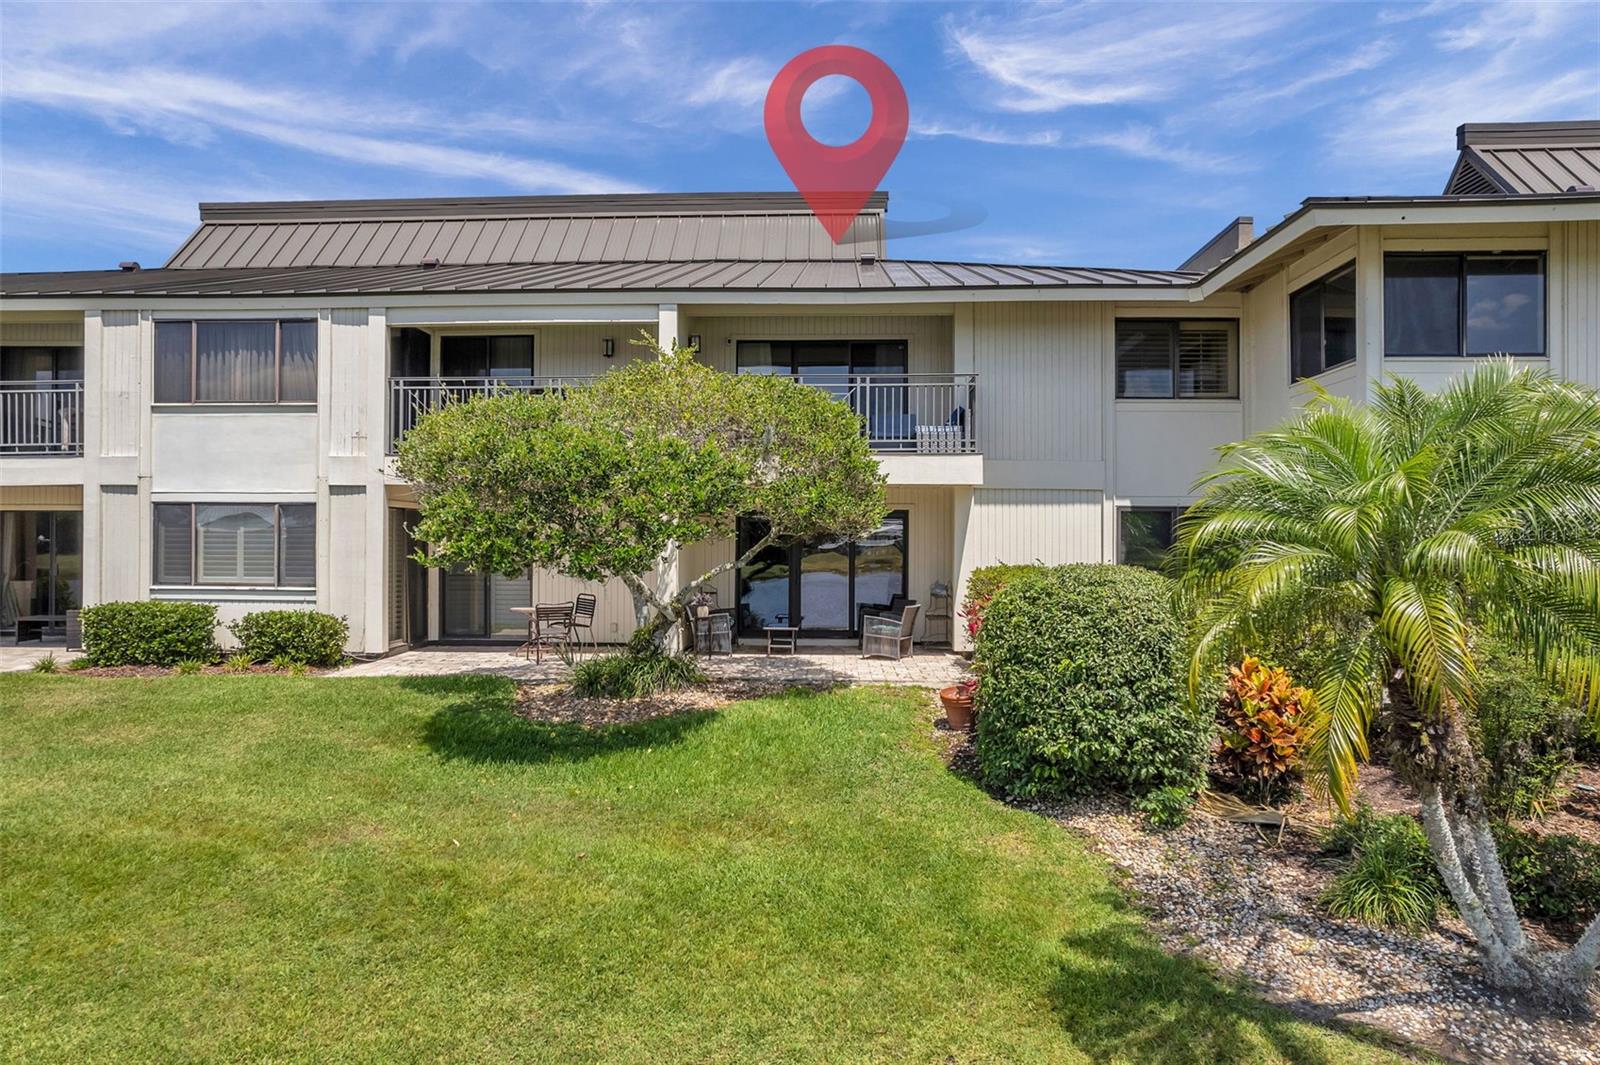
point(281, 663)
point(238, 663)
point(1165, 807)
point(1339, 840)
point(150, 633)
point(982, 584)
point(79, 663)
point(1552, 878)
point(303, 636)
point(1390, 881)
point(190, 666)
point(630, 674)
point(1082, 685)
point(47, 664)
point(1528, 733)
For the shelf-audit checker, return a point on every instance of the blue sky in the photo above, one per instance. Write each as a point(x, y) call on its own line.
point(1086, 134)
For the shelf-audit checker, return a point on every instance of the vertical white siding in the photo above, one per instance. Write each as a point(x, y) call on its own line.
point(1041, 395)
point(1052, 526)
point(574, 350)
point(613, 619)
point(122, 520)
point(352, 427)
point(345, 574)
point(121, 408)
point(1579, 293)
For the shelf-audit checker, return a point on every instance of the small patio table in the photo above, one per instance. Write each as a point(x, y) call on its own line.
point(782, 638)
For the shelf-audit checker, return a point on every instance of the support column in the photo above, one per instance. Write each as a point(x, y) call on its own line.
point(667, 326)
point(961, 567)
point(1369, 306)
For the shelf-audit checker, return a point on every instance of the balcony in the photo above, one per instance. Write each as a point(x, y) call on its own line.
point(911, 414)
point(41, 417)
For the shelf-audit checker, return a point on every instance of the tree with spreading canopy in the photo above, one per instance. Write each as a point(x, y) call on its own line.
point(610, 479)
point(1394, 530)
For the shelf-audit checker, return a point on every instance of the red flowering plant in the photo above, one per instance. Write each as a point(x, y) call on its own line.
point(1261, 736)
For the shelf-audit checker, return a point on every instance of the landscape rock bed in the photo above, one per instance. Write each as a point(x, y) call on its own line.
point(1245, 902)
point(558, 704)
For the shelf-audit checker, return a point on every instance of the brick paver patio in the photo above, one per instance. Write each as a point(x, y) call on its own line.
point(19, 659)
point(812, 667)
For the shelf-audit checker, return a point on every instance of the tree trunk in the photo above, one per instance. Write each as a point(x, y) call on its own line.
point(1461, 839)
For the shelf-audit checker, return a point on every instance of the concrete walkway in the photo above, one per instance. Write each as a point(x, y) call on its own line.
point(21, 659)
point(927, 669)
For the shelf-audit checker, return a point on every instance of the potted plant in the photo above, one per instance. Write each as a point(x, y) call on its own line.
point(957, 700)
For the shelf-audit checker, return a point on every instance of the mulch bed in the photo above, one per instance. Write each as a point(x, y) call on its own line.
point(1245, 901)
point(557, 704)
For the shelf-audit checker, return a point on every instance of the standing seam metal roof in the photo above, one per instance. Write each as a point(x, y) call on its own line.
point(707, 275)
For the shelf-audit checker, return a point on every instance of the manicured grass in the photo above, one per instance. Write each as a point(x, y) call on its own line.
point(275, 868)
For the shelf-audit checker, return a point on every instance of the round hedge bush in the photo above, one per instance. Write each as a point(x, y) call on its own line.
point(1082, 685)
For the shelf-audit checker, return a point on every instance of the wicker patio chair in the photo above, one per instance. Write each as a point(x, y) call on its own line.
point(888, 636)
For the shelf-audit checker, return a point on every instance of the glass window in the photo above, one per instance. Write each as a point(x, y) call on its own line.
point(486, 356)
point(226, 361)
point(1145, 534)
point(1452, 305)
point(1421, 305)
point(1505, 305)
point(237, 545)
point(225, 543)
point(297, 545)
point(1159, 359)
point(1322, 324)
point(174, 543)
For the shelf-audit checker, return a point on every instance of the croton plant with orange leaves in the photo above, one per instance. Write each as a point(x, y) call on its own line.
point(1262, 735)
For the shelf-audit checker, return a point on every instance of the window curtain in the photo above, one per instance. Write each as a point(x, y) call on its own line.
point(172, 361)
point(236, 362)
point(299, 380)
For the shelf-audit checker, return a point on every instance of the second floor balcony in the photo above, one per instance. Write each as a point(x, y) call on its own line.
point(916, 414)
point(41, 417)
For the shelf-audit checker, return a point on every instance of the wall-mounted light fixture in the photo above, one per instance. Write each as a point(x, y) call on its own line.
point(694, 341)
point(608, 347)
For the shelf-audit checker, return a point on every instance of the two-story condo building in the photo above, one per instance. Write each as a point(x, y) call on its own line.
point(222, 428)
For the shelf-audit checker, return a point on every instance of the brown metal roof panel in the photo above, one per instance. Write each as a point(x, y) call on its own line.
point(511, 230)
point(550, 240)
point(572, 240)
point(533, 232)
point(277, 237)
point(482, 241)
point(232, 252)
point(382, 249)
point(248, 251)
point(205, 249)
point(357, 251)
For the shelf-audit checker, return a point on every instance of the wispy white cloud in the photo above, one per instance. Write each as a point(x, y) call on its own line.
point(983, 133)
point(190, 108)
point(1144, 142)
point(1090, 56)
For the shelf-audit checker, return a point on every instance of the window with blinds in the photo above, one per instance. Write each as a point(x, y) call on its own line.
point(255, 545)
point(1165, 359)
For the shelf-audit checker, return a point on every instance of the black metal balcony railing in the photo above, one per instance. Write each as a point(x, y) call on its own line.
point(919, 414)
point(41, 417)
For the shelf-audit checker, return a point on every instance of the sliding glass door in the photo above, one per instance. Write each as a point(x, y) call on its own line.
point(819, 586)
point(478, 605)
point(42, 555)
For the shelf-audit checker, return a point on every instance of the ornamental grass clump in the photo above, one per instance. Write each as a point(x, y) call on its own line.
point(1390, 881)
point(635, 674)
point(1260, 732)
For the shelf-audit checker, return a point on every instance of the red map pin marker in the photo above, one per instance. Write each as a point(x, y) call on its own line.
point(836, 181)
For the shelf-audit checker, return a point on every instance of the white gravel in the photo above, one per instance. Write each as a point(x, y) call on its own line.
point(1221, 892)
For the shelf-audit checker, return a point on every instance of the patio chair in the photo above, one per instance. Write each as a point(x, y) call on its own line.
point(583, 609)
point(888, 636)
point(896, 603)
point(552, 627)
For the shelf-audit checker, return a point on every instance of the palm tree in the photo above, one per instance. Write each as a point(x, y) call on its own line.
point(1395, 530)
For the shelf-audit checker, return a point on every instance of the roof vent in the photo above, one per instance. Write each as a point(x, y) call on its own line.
point(1580, 188)
point(869, 259)
point(429, 264)
point(128, 265)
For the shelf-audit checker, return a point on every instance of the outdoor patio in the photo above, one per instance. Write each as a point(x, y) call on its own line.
point(812, 667)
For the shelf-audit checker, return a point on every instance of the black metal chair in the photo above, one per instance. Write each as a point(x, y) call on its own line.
point(583, 608)
point(552, 627)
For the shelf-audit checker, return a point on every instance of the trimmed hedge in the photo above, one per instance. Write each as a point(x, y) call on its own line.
point(982, 585)
point(153, 632)
point(1082, 685)
point(303, 637)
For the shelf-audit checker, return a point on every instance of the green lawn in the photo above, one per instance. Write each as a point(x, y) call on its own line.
point(273, 868)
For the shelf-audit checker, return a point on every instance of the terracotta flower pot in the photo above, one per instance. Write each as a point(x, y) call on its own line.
point(957, 707)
